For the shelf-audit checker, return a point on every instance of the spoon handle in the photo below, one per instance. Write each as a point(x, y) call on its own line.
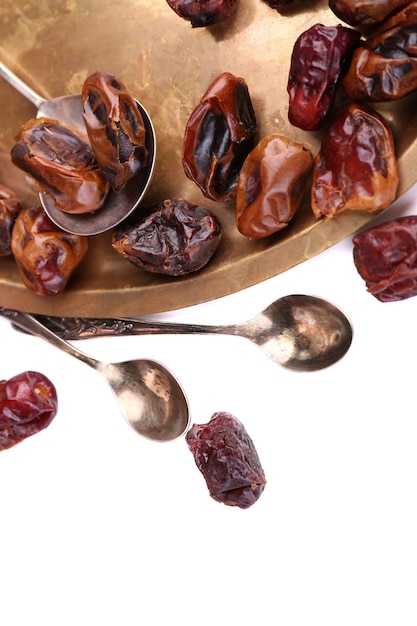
point(34, 326)
point(72, 328)
point(20, 86)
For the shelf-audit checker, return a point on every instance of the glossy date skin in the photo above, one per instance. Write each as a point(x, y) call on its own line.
point(175, 238)
point(10, 208)
point(219, 135)
point(46, 256)
point(356, 166)
point(384, 68)
point(385, 257)
point(60, 163)
point(271, 185)
point(365, 12)
point(226, 456)
point(319, 57)
point(115, 128)
point(28, 404)
point(202, 13)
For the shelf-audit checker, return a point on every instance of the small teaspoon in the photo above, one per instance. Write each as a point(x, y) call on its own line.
point(299, 332)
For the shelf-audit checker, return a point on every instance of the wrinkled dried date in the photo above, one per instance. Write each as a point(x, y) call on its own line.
point(175, 237)
point(318, 59)
point(386, 258)
point(28, 404)
point(45, 256)
point(219, 135)
point(203, 12)
point(115, 128)
point(62, 164)
point(271, 185)
point(384, 68)
point(356, 167)
point(357, 12)
point(10, 208)
point(226, 456)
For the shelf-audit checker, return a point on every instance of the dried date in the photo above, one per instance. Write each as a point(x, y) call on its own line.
point(227, 458)
point(45, 256)
point(115, 128)
point(356, 166)
point(365, 12)
point(219, 135)
point(319, 58)
point(10, 208)
point(202, 13)
point(28, 404)
point(384, 68)
point(271, 185)
point(175, 237)
point(385, 257)
point(61, 163)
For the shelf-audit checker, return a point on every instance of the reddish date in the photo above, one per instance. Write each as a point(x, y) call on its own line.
point(271, 185)
point(175, 238)
point(319, 57)
point(219, 135)
point(202, 13)
point(45, 256)
point(28, 404)
point(10, 208)
point(356, 166)
point(226, 456)
point(369, 12)
point(386, 259)
point(60, 163)
point(115, 128)
point(384, 68)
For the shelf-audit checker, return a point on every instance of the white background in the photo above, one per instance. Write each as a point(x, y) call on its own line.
point(100, 527)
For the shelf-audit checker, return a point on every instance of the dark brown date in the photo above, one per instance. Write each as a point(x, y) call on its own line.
point(358, 12)
point(115, 128)
point(278, 4)
point(10, 208)
point(175, 237)
point(386, 258)
point(319, 58)
point(45, 256)
point(219, 135)
point(28, 404)
point(226, 456)
point(356, 166)
point(62, 164)
point(271, 185)
point(202, 13)
point(384, 67)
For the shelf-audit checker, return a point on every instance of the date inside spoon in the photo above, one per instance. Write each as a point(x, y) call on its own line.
point(118, 205)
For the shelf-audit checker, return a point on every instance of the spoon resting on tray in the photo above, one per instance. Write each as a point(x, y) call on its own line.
point(299, 332)
point(118, 205)
point(149, 397)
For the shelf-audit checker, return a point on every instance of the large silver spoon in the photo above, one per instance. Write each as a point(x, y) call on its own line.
point(299, 332)
point(117, 206)
point(149, 397)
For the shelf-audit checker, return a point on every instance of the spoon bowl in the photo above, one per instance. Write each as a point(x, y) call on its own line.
point(149, 397)
point(117, 205)
point(299, 332)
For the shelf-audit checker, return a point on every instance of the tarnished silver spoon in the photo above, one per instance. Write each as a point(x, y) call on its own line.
point(149, 397)
point(117, 206)
point(299, 332)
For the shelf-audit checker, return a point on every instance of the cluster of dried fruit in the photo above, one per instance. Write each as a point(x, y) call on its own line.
point(28, 404)
point(75, 168)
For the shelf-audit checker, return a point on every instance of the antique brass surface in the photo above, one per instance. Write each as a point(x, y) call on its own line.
point(54, 44)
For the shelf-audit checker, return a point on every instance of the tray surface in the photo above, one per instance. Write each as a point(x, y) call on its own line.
point(168, 66)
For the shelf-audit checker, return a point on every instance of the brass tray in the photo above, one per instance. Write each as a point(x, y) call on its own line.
point(167, 65)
